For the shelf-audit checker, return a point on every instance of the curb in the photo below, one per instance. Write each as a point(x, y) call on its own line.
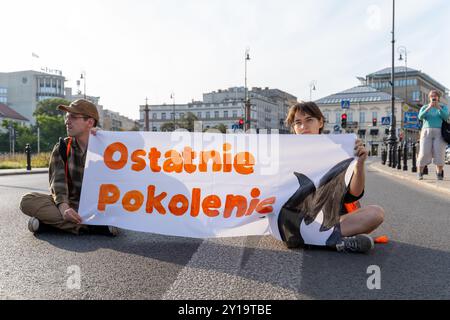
point(417, 182)
point(23, 172)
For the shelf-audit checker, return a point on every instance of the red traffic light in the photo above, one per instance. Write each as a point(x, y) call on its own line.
point(241, 121)
point(344, 116)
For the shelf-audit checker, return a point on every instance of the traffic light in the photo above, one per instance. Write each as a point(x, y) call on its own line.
point(241, 123)
point(374, 122)
point(344, 120)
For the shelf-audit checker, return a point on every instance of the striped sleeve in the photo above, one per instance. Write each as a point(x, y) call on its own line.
point(57, 177)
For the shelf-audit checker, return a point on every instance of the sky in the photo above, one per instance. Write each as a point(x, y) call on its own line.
point(131, 50)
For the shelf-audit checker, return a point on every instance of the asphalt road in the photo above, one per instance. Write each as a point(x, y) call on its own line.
point(414, 265)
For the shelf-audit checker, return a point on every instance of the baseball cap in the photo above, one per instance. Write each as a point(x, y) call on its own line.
point(81, 106)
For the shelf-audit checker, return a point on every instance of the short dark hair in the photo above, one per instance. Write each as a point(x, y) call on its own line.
point(310, 108)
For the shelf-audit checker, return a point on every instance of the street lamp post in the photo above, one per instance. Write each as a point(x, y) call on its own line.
point(83, 76)
point(312, 86)
point(392, 136)
point(247, 114)
point(403, 51)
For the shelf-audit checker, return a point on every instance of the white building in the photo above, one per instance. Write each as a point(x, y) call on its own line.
point(364, 116)
point(268, 109)
point(22, 90)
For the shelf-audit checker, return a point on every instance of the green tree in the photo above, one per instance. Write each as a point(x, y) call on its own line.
point(51, 128)
point(221, 127)
point(167, 126)
point(187, 122)
point(48, 107)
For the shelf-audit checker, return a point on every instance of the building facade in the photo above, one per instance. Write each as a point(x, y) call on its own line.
point(367, 108)
point(22, 90)
point(268, 109)
point(6, 113)
point(411, 85)
point(114, 121)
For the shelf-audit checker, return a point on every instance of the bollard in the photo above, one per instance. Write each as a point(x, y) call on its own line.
point(405, 157)
point(28, 152)
point(399, 157)
point(414, 160)
point(390, 155)
point(394, 156)
point(383, 156)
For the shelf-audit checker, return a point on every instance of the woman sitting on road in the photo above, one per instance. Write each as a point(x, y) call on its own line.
point(351, 231)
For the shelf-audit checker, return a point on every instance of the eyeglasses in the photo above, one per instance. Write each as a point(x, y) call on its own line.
point(69, 116)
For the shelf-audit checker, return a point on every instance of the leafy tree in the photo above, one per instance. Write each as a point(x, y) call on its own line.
point(48, 107)
point(51, 128)
point(187, 122)
point(168, 126)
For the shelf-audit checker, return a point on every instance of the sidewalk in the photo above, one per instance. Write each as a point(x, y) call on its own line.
point(429, 181)
point(9, 172)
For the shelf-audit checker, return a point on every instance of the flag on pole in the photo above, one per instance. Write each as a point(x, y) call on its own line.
point(34, 55)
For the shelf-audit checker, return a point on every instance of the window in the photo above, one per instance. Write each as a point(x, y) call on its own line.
point(154, 115)
point(327, 117)
point(208, 115)
point(235, 114)
point(416, 96)
point(225, 114)
point(199, 114)
point(216, 114)
point(350, 116)
point(163, 116)
point(374, 115)
point(338, 117)
point(362, 117)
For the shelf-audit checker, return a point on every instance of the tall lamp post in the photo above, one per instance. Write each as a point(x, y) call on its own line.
point(392, 141)
point(247, 99)
point(312, 86)
point(404, 52)
point(83, 76)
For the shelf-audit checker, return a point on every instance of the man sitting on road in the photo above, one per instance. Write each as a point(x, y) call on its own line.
point(66, 170)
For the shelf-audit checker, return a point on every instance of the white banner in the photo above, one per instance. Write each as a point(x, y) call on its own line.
point(201, 185)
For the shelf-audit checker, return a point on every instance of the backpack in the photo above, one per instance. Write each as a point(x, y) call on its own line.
point(445, 130)
point(64, 152)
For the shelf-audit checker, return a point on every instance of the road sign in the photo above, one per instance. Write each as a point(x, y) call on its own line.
point(336, 128)
point(345, 104)
point(385, 121)
point(411, 120)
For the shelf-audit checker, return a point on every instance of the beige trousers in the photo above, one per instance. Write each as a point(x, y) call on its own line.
point(42, 207)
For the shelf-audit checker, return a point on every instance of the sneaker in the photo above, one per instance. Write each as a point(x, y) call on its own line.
point(440, 176)
point(33, 225)
point(420, 176)
point(100, 230)
point(114, 231)
point(360, 243)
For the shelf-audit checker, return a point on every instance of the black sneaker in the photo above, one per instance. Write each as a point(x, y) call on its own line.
point(360, 243)
point(101, 230)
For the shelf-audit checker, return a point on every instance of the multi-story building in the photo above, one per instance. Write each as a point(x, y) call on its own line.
point(113, 121)
point(268, 109)
point(22, 90)
point(367, 107)
point(411, 85)
point(371, 102)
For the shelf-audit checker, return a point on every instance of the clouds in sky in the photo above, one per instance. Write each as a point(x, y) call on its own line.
point(133, 49)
